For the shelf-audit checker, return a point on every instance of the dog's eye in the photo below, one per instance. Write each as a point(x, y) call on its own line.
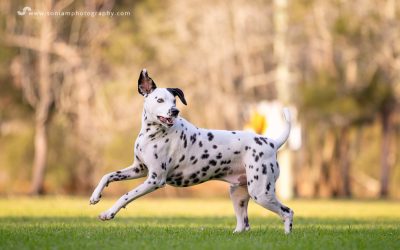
point(174, 101)
point(160, 100)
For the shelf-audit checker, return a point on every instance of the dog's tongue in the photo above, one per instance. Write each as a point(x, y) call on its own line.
point(166, 120)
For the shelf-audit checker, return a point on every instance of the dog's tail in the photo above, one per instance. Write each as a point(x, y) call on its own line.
point(285, 134)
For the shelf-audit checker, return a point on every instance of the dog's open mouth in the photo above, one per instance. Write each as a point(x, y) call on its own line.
point(167, 120)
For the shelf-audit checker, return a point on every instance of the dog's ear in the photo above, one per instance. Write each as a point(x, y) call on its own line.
point(179, 93)
point(146, 85)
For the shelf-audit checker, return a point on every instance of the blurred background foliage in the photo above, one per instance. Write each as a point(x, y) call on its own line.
point(70, 111)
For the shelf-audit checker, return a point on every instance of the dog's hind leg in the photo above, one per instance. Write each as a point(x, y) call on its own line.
point(240, 198)
point(270, 202)
point(136, 170)
point(261, 187)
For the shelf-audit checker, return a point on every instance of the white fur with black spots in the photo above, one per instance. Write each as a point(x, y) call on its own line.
point(170, 150)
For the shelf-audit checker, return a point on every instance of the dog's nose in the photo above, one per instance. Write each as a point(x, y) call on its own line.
point(174, 112)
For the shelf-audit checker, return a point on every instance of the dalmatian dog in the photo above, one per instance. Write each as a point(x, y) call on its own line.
point(170, 150)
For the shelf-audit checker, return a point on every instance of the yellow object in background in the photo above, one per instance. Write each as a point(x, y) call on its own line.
point(258, 123)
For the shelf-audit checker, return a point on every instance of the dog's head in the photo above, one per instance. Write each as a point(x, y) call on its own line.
point(159, 103)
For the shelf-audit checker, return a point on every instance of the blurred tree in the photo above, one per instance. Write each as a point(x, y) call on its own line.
point(336, 94)
point(341, 59)
point(54, 73)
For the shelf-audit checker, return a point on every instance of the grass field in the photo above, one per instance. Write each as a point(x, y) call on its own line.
point(70, 223)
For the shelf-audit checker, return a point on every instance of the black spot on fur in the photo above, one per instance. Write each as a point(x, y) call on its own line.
point(233, 132)
point(215, 146)
point(156, 156)
point(219, 155)
point(205, 168)
point(256, 177)
point(195, 161)
point(256, 158)
point(196, 180)
point(182, 158)
point(225, 162)
point(285, 209)
point(204, 156)
point(236, 152)
point(241, 204)
point(257, 140)
point(246, 221)
point(213, 162)
point(142, 166)
point(210, 136)
point(184, 142)
point(272, 145)
point(193, 138)
point(153, 175)
point(136, 170)
point(166, 140)
point(192, 176)
point(264, 140)
point(200, 144)
point(164, 166)
point(264, 169)
point(219, 175)
point(192, 157)
point(268, 186)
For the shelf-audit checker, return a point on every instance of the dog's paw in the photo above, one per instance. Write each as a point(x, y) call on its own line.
point(238, 230)
point(94, 199)
point(288, 223)
point(106, 216)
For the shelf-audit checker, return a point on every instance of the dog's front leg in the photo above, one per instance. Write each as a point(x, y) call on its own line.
point(134, 171)
point(152, 183)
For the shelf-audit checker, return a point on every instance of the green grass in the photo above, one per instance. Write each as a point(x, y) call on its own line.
point(70, 223)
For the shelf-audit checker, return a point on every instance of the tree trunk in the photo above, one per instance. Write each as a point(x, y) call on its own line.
point(44, 103)
point(39, 164)
point(385, 152)
point(326, 189)
point(345, 189)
